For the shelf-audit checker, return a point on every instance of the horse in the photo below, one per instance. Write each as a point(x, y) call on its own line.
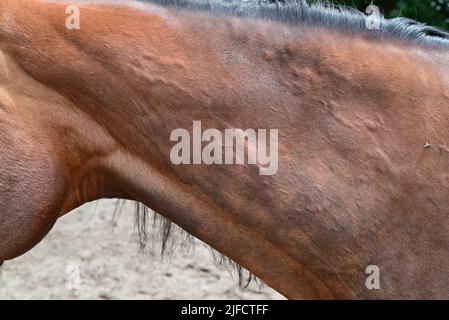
point(361, 114)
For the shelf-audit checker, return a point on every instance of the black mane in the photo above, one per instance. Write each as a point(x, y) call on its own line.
point(299, 12)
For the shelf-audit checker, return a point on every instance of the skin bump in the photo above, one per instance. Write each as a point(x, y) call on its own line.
point(4, 72)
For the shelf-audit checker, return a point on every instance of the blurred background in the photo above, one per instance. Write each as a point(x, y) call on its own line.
point(92, 253)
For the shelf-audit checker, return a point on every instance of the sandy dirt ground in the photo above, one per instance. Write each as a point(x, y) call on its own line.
point(91, 255)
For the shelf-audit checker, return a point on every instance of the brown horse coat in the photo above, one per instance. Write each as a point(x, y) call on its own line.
point(87, 114)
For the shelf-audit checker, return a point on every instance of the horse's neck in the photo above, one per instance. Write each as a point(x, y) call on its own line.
point(134, 76)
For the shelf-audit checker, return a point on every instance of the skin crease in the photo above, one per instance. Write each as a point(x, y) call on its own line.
point(87, 114)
